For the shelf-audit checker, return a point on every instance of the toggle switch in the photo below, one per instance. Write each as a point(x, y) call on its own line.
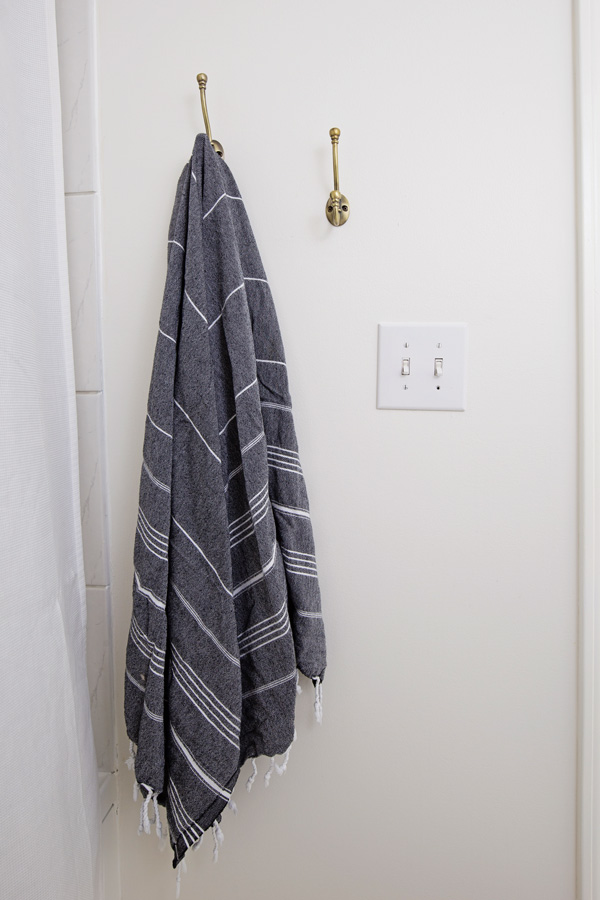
point(438, 367)
point(406, 366)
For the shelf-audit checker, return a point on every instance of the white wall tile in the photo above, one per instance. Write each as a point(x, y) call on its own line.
point(90, 422)
point(74, 25)
point(83, 286)
point(100, 675)
point(109, 839)
point(75, 20)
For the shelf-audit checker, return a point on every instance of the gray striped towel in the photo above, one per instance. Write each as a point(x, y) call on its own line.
point(226, 603)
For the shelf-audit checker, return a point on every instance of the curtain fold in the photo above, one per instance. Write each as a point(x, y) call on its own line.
point(49, 809)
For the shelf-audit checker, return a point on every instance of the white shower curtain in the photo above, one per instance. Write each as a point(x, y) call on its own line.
point(48, 799)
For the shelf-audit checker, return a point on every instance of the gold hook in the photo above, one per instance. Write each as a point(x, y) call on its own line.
point(337, 208)
point(202, 80)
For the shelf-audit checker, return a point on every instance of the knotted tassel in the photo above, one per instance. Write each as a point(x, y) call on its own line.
point(233, 807)
point(159, 828)
point(219, 837)
point(182, 867)
point(281, 769)
point(144, 816)
point(250, 781)
point(269, 772)
point(318, 700)
point(130, 761)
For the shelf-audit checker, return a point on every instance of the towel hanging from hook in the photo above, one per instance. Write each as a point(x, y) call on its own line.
point(202, 80)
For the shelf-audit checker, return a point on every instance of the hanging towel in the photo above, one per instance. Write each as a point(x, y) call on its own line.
point(226, 603)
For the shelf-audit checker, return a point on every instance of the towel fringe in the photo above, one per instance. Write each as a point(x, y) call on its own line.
point(232, 806)
point(318, 700)
point(130, 761)
point(269, 772)
point(144, 815)
point(196, 846)
point(181, 868)
point(159, 828)
point(219, 837)
point(298, 688)
point(145, 820)
point(281, 769)
point(252, 778)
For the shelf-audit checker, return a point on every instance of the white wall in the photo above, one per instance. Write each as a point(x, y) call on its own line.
point(587, 74)
point(445, 766)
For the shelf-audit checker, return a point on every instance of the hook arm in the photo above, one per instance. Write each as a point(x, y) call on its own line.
point(202, 79)
point(334, 134)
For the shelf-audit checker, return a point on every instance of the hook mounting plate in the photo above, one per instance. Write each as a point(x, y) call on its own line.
point(337, 208)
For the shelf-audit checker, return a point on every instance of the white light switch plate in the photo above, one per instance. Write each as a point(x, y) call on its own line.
point(415, 348)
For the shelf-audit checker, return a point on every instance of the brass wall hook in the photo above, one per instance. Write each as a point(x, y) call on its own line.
point(337, 208)
point(217, 147)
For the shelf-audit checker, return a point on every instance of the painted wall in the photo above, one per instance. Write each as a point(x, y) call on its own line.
point(445, 766)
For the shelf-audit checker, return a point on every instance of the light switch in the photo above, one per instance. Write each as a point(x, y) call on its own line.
point(437, 366)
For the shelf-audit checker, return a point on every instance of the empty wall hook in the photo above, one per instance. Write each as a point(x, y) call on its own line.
point(217, 147)
point(337, 208)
